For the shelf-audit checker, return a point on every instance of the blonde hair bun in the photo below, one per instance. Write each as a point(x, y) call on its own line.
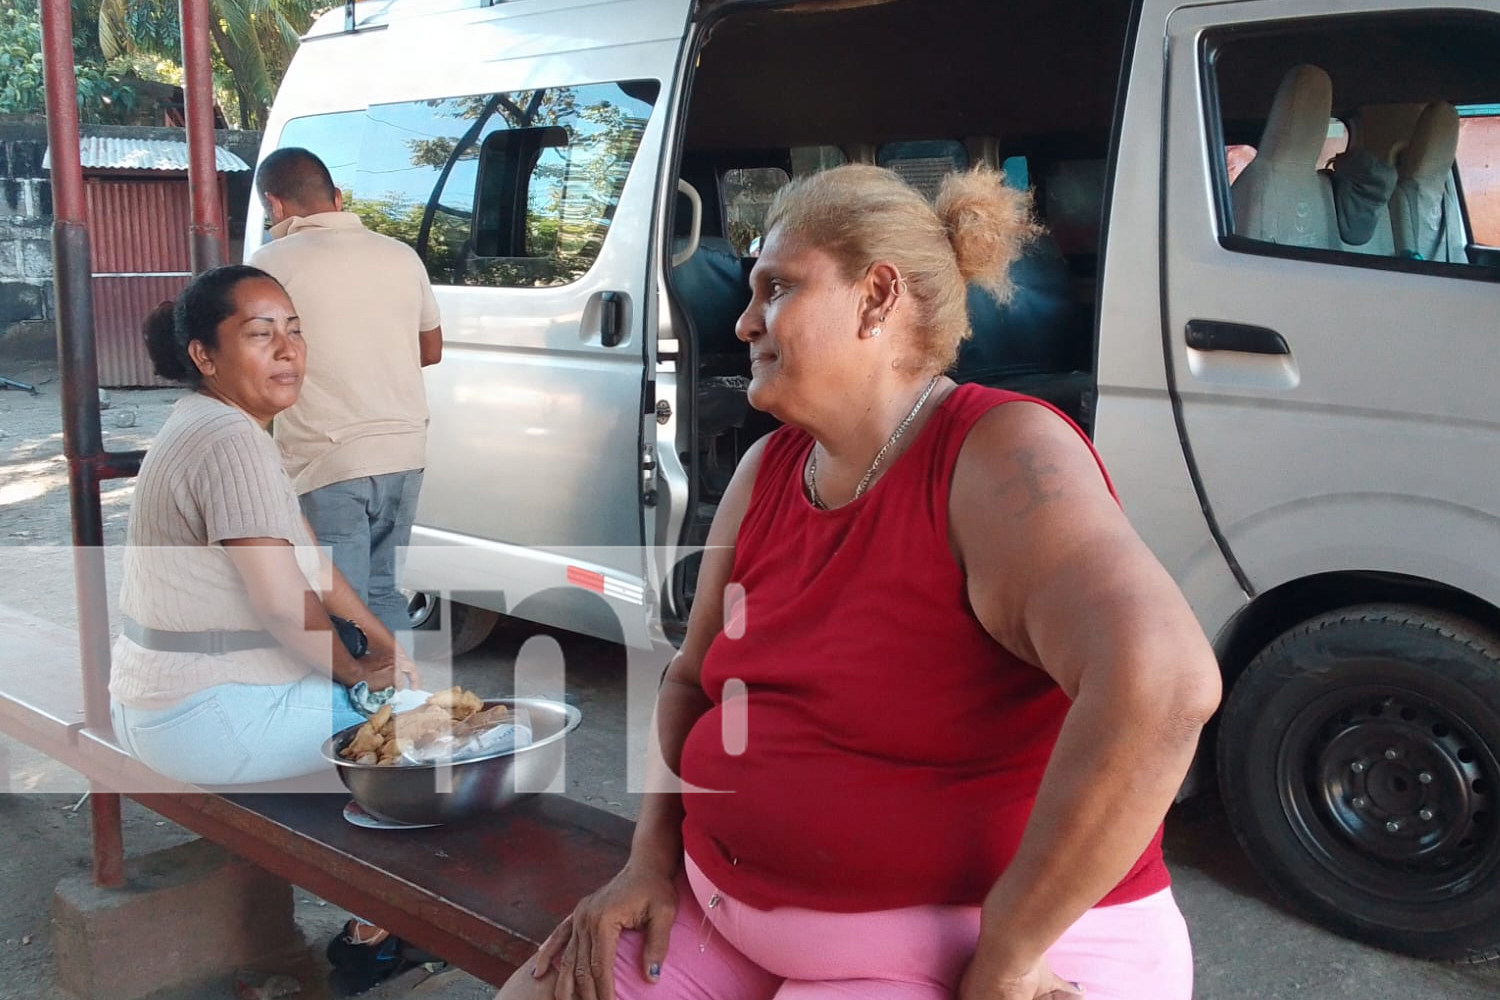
point(989, 224)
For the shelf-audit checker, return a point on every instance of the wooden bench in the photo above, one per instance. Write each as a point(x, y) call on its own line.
point(482, 894)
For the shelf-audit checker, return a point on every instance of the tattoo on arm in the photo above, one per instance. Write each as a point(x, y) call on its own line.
point(1033, 481)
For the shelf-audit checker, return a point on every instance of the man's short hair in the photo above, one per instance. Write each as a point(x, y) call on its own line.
point(295, 175)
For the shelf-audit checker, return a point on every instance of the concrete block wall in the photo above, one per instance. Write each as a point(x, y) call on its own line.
point(26, 290)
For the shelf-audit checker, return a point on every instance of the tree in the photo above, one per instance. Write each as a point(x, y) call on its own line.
point(253, 41)
point(102, 95)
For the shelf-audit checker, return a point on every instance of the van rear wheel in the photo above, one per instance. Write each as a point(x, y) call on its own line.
point(468, 626)
point(1359, 764)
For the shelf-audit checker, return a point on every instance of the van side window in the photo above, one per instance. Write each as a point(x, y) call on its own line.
point(1337, 139)
point(514, 189)
point(415, 180)
point(923, 164)
point(747, 194)
point(1017, 170)
point(813, 159)
point(1479, 170)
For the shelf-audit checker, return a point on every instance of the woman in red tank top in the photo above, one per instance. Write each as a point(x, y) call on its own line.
point(931, 738)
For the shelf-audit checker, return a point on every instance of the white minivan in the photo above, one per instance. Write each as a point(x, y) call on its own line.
point(1271, 280)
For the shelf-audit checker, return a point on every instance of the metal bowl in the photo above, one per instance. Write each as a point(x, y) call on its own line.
point(446, 792)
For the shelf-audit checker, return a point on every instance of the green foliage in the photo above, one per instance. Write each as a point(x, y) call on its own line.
point(101, 95)
point(253, 42)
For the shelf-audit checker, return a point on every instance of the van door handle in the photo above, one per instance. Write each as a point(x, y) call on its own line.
point(1215, 335)
point(611, 318)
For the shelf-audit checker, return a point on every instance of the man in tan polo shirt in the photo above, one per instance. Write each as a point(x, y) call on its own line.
point(356, 439)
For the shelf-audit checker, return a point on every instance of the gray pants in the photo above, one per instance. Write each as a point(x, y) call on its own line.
point(367, 523)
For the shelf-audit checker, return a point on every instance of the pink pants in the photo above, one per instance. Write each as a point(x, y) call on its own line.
point(722, 949)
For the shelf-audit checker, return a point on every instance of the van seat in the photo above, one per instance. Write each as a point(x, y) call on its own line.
point(1425, 218)
point(713, 289)
point(1282, 197)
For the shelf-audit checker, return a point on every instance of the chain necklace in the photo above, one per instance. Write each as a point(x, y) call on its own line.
point(810, 470)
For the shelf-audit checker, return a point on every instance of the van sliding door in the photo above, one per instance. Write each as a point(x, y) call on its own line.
point(1336, 390)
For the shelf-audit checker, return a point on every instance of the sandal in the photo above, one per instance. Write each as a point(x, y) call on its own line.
point(364, 956)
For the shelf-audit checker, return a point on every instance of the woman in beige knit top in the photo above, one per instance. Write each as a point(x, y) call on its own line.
point(228, 670)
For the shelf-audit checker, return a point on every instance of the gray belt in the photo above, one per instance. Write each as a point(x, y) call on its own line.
point(209, 643)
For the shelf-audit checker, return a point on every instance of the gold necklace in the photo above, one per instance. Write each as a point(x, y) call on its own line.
point(810, 470)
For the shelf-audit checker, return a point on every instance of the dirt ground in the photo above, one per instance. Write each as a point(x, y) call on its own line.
point(34, 510)
point(46, 827)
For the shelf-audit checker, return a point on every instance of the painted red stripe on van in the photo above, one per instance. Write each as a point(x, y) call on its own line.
point(584, 578)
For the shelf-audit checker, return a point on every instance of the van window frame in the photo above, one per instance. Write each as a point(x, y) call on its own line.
point(520, 150)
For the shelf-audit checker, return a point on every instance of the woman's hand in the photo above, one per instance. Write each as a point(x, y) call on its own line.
point(406, 671)
point(985, 980)
point(389, 668)
point(639, 898)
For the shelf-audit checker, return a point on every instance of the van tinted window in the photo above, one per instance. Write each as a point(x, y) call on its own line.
point(747, 194)
point(490, 189)
point(1479, 171)
point(1337, 137)
point(334, 139)
point(924, 164)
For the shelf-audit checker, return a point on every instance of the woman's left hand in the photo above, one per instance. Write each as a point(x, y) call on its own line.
point(984, 980)
point(407, 675)
point(391, 667)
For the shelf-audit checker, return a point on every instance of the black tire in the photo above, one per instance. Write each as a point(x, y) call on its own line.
point(468, 626)
point(1359, 764)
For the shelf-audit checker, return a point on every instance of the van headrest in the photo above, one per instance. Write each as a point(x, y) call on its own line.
point(1433, 146)
point(1281, 196)
point(1298, 123)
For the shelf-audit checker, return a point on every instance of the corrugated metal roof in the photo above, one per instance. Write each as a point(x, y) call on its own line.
point(112, 153)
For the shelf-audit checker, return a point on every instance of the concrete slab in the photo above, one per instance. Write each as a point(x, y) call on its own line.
point(187, 914)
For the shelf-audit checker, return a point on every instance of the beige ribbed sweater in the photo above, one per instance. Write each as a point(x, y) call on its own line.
point(211, 474)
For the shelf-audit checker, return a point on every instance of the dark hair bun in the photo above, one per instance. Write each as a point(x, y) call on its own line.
point(168, 352)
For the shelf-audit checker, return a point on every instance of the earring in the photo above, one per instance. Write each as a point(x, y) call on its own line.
point(874, 331)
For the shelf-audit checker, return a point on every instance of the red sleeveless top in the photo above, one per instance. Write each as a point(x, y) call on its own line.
point(893, 748)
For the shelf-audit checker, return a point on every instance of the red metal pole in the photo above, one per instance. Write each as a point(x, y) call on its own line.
point(62, 112)
point(208, 246)
point(83, 439)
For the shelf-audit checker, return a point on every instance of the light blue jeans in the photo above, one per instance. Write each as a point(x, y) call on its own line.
point(367, 523)
point(235, 734)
